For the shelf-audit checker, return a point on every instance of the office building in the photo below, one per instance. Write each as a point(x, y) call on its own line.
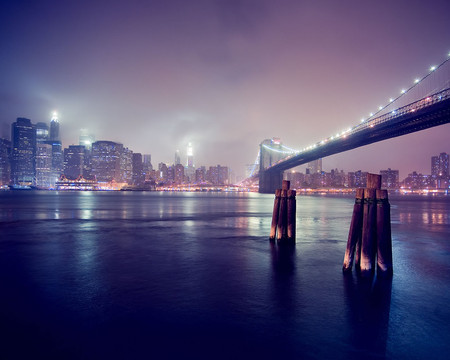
point(5, 164)
point(138, 177)
point(23, 152)
point(42, 132)
point(44, 174)
point(74, 161)
point(389, 179)
point(54, 128)
point(106, 161)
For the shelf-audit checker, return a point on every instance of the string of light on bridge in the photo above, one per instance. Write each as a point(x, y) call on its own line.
point(364, 121)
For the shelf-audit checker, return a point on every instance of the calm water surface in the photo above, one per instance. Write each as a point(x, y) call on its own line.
point(131, 275)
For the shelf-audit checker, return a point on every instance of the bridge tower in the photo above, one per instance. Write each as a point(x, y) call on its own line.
point(269, 180)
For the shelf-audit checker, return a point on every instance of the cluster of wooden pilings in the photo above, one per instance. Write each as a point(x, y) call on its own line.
point(369, 237)
point(284, 214)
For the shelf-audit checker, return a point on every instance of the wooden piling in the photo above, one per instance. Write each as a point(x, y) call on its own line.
point(291, 215)
point(384, 238)
point(355, 233)
point(285, 185)
point(373, 181)
point(368, 244)
point(276, 211)
point(282, 217)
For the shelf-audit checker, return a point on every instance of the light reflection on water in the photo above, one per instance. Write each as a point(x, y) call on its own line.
point(194, 273)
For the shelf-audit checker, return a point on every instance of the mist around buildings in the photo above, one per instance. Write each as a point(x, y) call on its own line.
point(34, 157)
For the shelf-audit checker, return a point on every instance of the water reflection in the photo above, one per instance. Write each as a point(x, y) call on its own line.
point(368, 307)
point(284, 285)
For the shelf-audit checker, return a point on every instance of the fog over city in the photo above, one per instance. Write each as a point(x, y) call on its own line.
point(224, 75)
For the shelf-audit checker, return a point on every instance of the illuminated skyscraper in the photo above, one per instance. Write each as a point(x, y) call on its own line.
point(44, 178)
point(23, 152)
point(106, 160)
point(5, 165)
point(190, 156)
point(86, 139)
point(42, 132)
point(389, 179)
point(439, 165)
point(54, 128)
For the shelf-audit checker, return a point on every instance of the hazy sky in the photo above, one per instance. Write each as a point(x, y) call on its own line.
point(222, 74)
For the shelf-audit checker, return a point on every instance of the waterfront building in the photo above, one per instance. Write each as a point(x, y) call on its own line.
point(106, 161)
point(5, 164)
point(126, 166)
point(218, 175)
point(44, 174)
point(296, 178)
point(147, 165)
point(138, 177)
point(57, 159)
point(163, 172)
point(178, 174)
point(23, 152)
point(439, 165)
point(389, 179)
point(200, 175)
point(74, 161)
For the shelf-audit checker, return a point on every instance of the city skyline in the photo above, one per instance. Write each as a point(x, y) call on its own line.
point(222, 75)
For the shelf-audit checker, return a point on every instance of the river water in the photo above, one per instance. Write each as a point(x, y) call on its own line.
point(147, 275)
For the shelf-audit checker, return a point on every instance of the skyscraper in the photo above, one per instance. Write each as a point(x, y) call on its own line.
point(190, 156)
point(439, 165)
point(74, 161)
point(126, 166)
point(177, 158)
point(86, 139)
point(44, 178)
point(315, 167)
point(42, 132)
point(389, 179)
point(5, 165)
point(54, 127)
point(57, 159)
point(23, 153)
point(138, 170)
point(106, 161)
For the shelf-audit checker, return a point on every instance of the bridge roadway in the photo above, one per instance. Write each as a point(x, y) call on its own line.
point(428, 112)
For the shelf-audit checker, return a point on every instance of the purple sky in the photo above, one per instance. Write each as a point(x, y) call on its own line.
point(223, 75)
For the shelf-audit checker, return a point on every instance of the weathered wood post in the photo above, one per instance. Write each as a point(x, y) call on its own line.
point(291, 215)
point(276, 211)
point(384, 238)
point(355, 233)
point(368, 243)
point(282, 217)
